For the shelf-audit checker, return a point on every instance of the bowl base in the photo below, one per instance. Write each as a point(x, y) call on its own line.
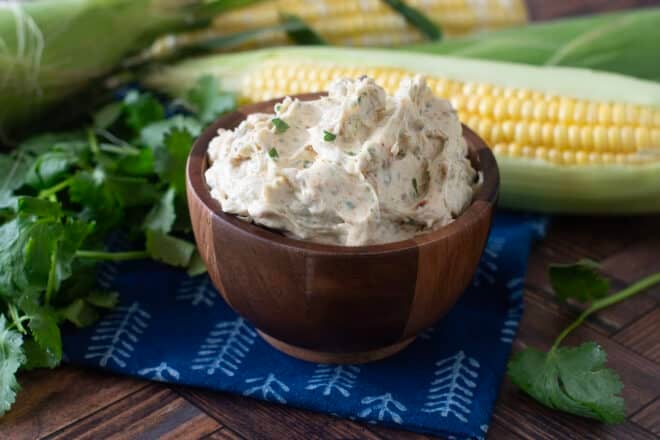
point(324, 357)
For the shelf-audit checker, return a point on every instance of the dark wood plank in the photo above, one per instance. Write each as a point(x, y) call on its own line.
point(53, 399)
point(649, 417)
point(223, 434)
point(636, 261)
point(544, 319)
point(153, 412)
point(643, 336)
point(256, 419)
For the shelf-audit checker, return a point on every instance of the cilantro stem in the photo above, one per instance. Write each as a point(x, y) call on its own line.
point(16, 320)
point(46, 193)
point(93, 141)
point(50, 286)
point(602, 303)
point(112, 256)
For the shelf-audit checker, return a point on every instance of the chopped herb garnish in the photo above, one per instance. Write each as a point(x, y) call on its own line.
point(280, 125)
point(414, 183)
point(306, 163)
point(329, 137)
point(278, 107)
point(349, 204)
point(273, 153)
point(350, 153)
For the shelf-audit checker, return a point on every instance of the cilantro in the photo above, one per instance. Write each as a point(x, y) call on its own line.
point(273, 153)
point(414, 184)
point(60, 196)
point(153, 135)
point(575, 380)
point(196, 266)
point(580, 281)
point(207, 100)
point(107, 116)
point(170, 159)
point(280, 125)
point(329, 137)
point(11, 358)
point(141, 109)
point(168, 249)
point(162, 215)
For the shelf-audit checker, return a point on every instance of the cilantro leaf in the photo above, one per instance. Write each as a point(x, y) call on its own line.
point(98, 201)
point(105, 117)
point(13, 172)
point(580, 281)
point(38, 207)
point(36, 356)
point(25, 261)
point(280, 125)
point(196, 266)
point(42, 321)
point(170, 159)
point(208, 101)
point(162, 215)
point(49, 168)
point(574, 380)
point(79, 312)
point(141, 164)
point(141, 109)
point(168, 249)
point(11, 358)
point(153, 135)
point(104, 300)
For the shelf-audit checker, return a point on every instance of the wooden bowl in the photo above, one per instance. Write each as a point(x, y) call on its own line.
point(337, 304)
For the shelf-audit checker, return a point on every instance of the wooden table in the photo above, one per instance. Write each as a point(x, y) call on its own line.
point(78, 403)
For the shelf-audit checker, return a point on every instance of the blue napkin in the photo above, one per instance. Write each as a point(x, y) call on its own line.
point(173, 328)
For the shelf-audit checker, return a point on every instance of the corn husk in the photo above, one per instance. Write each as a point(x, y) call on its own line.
point(621, 42)
point(51, 49)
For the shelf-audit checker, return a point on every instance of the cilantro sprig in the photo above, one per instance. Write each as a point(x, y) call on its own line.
point(62, 194)
point(575, 379)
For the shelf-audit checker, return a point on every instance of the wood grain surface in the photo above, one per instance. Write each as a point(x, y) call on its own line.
point(80, 403)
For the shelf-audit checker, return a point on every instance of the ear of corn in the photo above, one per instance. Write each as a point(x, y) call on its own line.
point(624, 42)
point(567, 140)
point(51, 49)
point(351, 22)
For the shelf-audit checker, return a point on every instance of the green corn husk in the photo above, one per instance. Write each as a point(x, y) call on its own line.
point(52, 49)
point(621, 42)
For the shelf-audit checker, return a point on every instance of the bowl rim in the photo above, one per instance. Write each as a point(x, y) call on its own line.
point(197, 164)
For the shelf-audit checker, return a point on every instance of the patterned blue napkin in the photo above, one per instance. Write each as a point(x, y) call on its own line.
point(173, 328)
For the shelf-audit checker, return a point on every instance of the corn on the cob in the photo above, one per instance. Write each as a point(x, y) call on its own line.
point(51, 49)
point(356, 23)
point(567, 140)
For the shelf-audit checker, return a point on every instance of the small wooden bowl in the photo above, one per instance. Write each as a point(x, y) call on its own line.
point(336, 304)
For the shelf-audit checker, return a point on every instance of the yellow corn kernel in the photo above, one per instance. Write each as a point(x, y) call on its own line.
point(574, 136)
point(568, 157)
point(554, 155)
point(600, 138)
point(541, 153)
point(565, 113)
point(581, 157)
point(486, 106)
point(642, 138)
point(515, 150)
point(604, 114)
point(560, 136)
point(521, 133)
point(500, 148)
